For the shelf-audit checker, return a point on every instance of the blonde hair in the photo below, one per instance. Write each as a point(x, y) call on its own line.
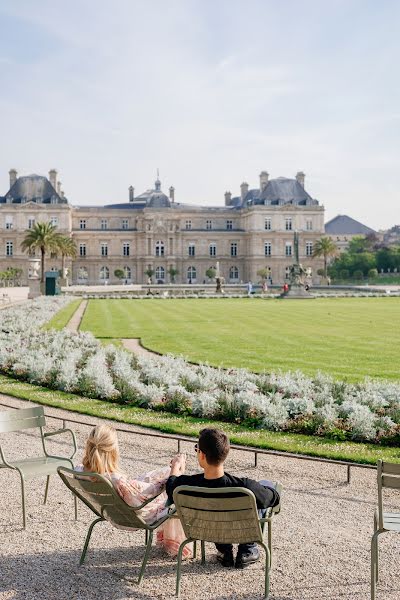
point(101, 451)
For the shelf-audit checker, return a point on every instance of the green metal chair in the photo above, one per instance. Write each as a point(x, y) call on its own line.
point(388, 477)
point(30, 468)
point(99, 495)
point(224, 516)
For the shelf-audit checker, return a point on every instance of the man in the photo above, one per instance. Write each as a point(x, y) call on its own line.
point(212, 450)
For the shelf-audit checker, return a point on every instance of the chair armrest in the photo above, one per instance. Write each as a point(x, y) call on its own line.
point(145, 502)
point(58, 432)
point(3, 458)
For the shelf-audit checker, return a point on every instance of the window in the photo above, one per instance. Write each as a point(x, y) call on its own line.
point(229, 224)
point(309, 248)
point(9, 248)
point(54, 221)
point(53, 200)
point(188, 225)
point(160, 274)
point(191, 274)
point(192, 250)
point(104, 273)
point(213, 249)
point(233, 273)
point(104, 249)
point(31, 222)
point(267, 248)
point(288, 223)
point(287, 272)
point(267, 224)
point(126, 249)
point(83, 274)
point(31, 252)
point(103, 224)
point(288, 249)
point(125, 224)
point(208, 224)
point(234, 248)
point(82, 249)
point(82, 224)
point(309, 225)
point(53, 255)
point(127, 273)
point(9, 222)
point(160, 249)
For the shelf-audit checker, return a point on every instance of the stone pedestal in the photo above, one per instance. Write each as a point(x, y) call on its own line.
point(34, 288)
point(297, 292)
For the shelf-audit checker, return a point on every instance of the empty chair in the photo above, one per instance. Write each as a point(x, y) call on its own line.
point(37, 466)
point(388, 477)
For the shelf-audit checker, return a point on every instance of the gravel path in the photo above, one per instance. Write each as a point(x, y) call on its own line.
point(320, 540)
point(75, 320)
point(134, 345)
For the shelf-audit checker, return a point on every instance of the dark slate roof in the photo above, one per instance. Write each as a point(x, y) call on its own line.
point(33, 188)
point(344, 225)
point(124, 205)
point(277, 191)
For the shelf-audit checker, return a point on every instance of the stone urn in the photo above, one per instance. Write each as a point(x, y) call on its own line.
point(34, 278)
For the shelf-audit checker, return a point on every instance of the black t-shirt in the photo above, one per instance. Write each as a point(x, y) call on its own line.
point(265, 496)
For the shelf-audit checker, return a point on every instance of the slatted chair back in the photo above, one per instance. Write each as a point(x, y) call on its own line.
point(22, 418)
point(220, 515)
point(99, 495)
point(388, 477)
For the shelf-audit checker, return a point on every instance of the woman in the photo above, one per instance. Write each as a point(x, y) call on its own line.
point(102, 456)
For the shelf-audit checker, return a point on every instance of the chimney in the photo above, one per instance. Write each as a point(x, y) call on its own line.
point(13, 176)
point(59, 188)
point(131, 193)
point(172, 193)
point(263, 180)
point(53, 178)
point(62, 194)
point(300, 176)
point(228, 198)
point(244, 190)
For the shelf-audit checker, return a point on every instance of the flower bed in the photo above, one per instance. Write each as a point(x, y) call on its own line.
point(78, 363)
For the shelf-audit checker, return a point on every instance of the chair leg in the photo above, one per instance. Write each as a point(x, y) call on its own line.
point(146, 536)
point(178, 567)
point(88, 536)
point(374, 563)
point(267, 568)
point(195, 549)
point(203, 552)
point(23, 500)
point(46, 491)
point(146, 554)
point(270, 542)
point(75, 507)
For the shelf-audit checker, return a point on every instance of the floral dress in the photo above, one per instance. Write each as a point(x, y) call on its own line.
point(135, 491)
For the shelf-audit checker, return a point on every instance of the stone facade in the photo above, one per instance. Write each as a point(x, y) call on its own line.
point(152, 231)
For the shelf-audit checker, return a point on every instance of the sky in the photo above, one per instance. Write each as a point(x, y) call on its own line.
point(210, 92)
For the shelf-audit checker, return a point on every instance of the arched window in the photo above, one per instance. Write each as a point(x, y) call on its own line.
point(104, 273)
point(233, 273)
point(160, 274)
point(127, 273)
point(159, 248)
point(191, 274)
point(83, 274)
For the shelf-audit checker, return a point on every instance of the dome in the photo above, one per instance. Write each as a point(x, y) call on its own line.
point(158, 200)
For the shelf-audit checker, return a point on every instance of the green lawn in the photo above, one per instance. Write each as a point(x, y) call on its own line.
point(62, 318)
point(349, 338)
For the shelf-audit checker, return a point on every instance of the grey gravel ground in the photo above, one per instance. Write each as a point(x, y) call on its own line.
point(320, 542)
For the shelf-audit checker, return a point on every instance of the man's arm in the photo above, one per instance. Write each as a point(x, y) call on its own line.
point(265, 496)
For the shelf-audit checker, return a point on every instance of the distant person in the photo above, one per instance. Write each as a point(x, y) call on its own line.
point(249, 287)
point(285, 288)
point(264, 287)
point(212, 450)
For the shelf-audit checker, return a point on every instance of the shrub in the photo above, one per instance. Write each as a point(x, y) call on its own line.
point(373, 273)
point(358, 275)
point(344, 274)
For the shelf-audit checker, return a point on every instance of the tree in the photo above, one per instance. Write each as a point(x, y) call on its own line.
point(149, 272)
point(43, 236)
point(119, 274)
point(67, 248)
point(211, 272)
point(173, 272)
point(325, 247)
point(264, 274)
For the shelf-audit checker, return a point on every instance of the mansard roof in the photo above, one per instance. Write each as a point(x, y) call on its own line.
point(345, 225)
point(33, 188)
point(277, 191)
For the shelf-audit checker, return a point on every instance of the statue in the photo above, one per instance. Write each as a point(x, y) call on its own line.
point(297, 275)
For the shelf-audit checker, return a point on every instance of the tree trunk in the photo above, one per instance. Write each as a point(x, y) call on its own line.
point(325, 266)
point(62, 265)
point(42, 252)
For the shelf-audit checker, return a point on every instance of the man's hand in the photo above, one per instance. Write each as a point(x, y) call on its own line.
point(178, 465)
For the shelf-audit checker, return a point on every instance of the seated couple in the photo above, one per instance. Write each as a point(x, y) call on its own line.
point(102, 456)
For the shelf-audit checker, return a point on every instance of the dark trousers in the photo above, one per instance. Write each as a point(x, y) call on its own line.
point(243, 548)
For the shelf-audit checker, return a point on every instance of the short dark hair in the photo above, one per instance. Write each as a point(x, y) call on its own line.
point(215, 445)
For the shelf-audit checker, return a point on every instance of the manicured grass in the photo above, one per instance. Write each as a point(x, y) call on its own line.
point(349, 338)
point(190, 426)
point(62, 318)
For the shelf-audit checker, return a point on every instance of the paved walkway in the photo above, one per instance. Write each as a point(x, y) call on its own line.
point(320, 539)
point(12, 295)
point(134, 345)
point(75, 321)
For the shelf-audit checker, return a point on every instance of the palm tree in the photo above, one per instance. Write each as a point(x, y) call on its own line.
point(43, 236)
point(67, 248)
point(325, 247)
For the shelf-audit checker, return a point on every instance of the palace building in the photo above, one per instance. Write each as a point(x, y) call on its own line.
point(153, 232)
